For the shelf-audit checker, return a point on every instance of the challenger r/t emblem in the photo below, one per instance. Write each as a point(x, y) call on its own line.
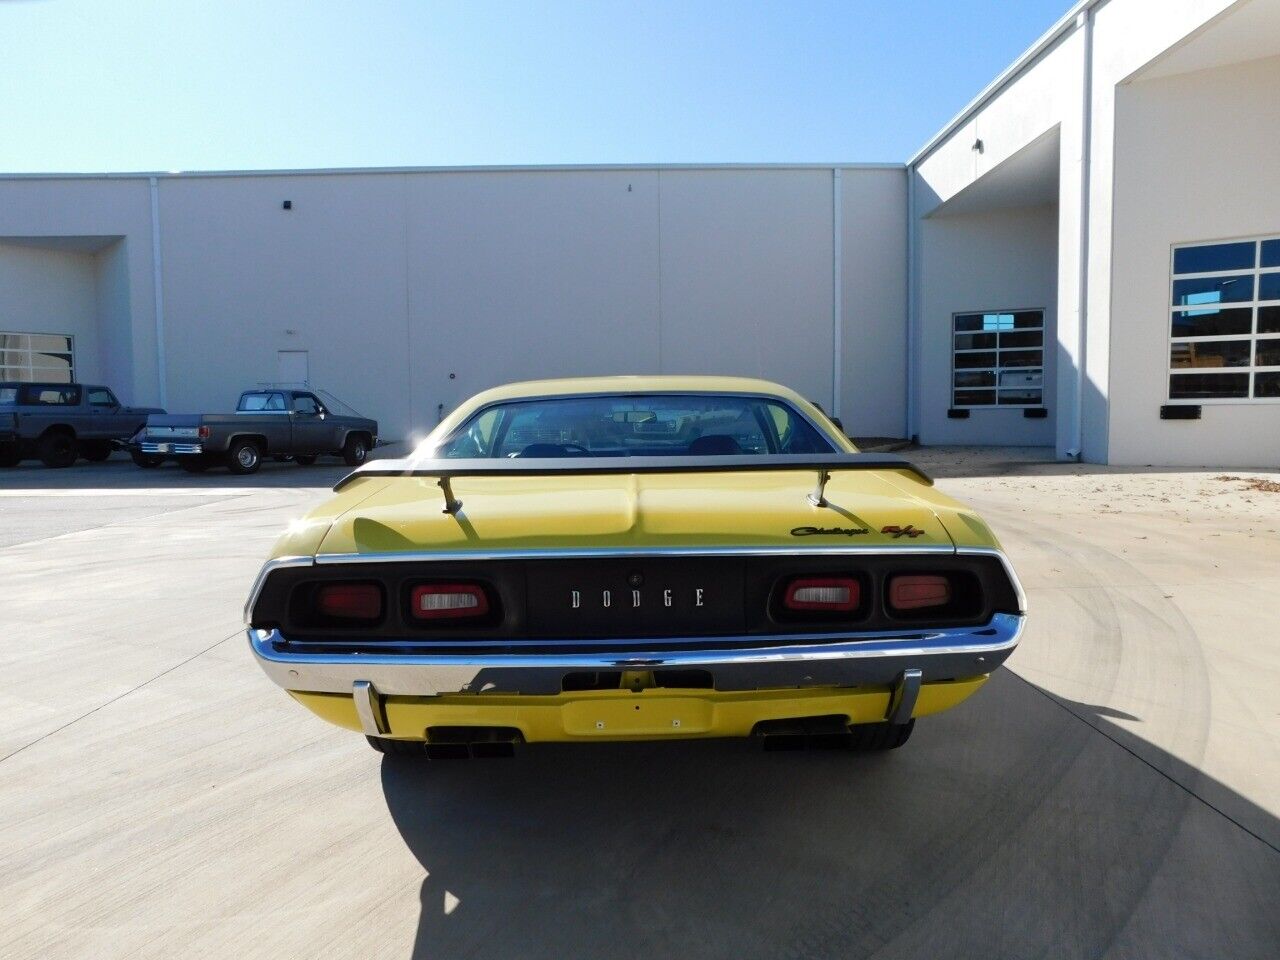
point(908, 531)
point(606, 598)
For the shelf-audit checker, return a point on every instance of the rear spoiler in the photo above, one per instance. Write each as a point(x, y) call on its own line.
point(445, 470)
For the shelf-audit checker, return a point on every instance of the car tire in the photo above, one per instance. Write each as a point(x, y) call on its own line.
point(355, 451)
point(244, 457)
point(58, 449)
point(95, 451)
point(304, 461)
point(196, 464)
point(398, 748)
point(147, 461)
point(10, 455)
point(879, 736)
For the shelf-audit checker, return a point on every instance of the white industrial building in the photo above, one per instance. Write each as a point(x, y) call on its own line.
point(1087, 257)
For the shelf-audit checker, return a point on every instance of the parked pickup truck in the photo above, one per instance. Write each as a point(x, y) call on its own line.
point(60, 422)
point(273, 422)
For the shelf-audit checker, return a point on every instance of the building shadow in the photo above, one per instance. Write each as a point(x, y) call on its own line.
point(1016, 825)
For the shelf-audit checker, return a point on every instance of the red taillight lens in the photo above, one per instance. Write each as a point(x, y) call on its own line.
point(448, 601)
point(349, 601)
point(834, 594)
point(918, 592)
point(203, 433)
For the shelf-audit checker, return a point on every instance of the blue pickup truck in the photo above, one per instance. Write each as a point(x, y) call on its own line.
point(57, 423)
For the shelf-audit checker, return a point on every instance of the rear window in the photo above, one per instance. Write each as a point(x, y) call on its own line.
point(266, 402)
point(49, 395)
point(8, 394)
point(660, 425)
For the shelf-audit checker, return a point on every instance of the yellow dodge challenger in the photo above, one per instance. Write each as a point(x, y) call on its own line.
point(634, 558)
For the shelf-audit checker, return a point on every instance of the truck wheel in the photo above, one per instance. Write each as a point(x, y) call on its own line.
point(880, 736)
point(9, 455)
point(398, 748)
point(95, 451)
point(147, 461)
point(57, 449)
point(355, 451)
point(244, 457)
point(304, 461)
point(196, 464)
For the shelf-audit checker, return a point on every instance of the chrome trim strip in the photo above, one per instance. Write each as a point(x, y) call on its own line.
point(591, 553)
point(905, 693)
point(368, 709)
point(261, 579)
point(794, 661)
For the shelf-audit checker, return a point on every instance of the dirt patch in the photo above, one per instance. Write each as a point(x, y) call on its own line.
point(1260, 484)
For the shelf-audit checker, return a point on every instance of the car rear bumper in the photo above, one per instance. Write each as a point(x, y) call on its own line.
point(170, 448)
point(900, 661)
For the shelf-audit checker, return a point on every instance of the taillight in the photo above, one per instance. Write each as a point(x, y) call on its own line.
point(916, 592)
point(832, 594)
point(349, 601)
point(448, 601)
point(202, 432)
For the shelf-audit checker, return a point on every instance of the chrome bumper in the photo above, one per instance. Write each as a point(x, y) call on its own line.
point(795, 661)
point(166, 447)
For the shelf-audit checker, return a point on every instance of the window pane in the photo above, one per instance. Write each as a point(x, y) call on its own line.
point(1217, 256)
point(975, 360)
point(1022, 338)
point(1210, 353)
point(48, 341)
point(983, 378)
point(1021, 397)
point(1269, 286)
point(975, 398)
point(1191, 293)
point(1268, 353)
point(51, 359)
point(1213, 322)
point(1193, 386)
point(1270, 253)
point(975, 341)
point(1028, 318)
point(1269, 319)
point(1021, 378)
point(968, 321)
point(1021, 358)
point(50, 375)
point(1266, 384)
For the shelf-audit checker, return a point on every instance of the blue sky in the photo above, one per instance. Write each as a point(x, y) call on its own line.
point(93, 85)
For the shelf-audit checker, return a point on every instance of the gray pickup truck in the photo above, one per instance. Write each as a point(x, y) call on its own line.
point(278, 423)
point(61, 422)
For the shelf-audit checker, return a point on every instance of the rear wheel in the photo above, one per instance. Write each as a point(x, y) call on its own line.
point(148, 461)
point(57, 449)
point(9, 455)
point(305, 461)
point(196, 464)
point(880, 736)
point(244, 457)
point(355, 451)
point(398, 748)
point(95, 451)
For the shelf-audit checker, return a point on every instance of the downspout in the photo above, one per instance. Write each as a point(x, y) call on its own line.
point(912, 306)
point(1085, 22)
point(837, 292)
point(158, 290)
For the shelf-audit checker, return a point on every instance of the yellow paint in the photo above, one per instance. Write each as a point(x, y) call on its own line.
point(649, 714)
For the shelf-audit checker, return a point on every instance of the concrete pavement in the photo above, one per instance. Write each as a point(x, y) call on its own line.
point(1115, 792)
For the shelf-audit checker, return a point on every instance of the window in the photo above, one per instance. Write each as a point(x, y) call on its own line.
point(305, 404)
point(1224, 328)
point(999, 359)
point(261, 403)
point(102, 397)
point(636, 426)
point(36, 358)
point(49, 396)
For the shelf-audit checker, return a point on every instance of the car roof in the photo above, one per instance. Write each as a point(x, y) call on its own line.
point(571, 386)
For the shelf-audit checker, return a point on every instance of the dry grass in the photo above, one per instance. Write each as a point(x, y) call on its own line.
point(1260, 484)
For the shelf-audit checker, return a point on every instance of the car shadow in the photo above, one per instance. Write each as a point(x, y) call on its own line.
point(1005, 828)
